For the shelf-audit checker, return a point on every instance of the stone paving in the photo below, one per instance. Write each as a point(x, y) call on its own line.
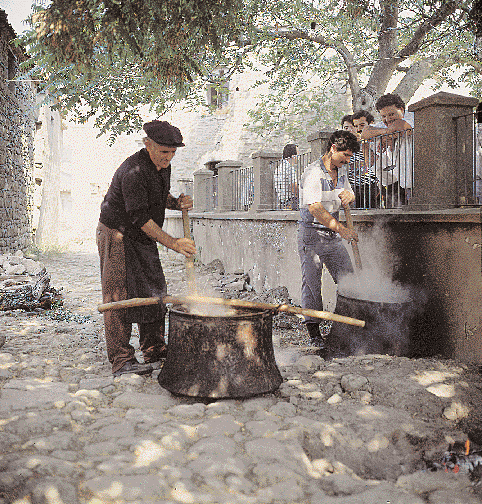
point(347, 431)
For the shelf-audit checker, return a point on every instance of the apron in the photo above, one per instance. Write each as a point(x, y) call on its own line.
point(144, 278)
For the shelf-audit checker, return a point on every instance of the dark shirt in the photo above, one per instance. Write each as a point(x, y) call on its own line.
point(138, 192)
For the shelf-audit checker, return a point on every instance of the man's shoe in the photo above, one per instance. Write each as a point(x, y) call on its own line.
point(158, 358)
point(323, 352)
point(315, 334)
point(133, 367)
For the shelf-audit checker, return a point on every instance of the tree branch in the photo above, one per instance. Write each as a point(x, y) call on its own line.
point(415, 75)
point(429, 24)
point(340, 48)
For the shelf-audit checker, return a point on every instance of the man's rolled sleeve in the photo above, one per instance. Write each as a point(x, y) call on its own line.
point(312, 188)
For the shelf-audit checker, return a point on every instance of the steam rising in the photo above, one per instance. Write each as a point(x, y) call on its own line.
point(203, 289)
point(374, 281)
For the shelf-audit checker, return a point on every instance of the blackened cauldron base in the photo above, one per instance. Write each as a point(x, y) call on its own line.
point(387, 328)
point(220, 357)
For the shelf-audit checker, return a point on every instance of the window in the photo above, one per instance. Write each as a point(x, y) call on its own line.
point(217, 92)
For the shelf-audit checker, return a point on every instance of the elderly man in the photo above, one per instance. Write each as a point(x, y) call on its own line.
point(130, 224)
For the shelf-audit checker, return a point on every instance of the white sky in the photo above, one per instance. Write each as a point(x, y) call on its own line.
point(17, 11)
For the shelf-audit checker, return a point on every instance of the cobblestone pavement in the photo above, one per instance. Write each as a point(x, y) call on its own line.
point(346, 431)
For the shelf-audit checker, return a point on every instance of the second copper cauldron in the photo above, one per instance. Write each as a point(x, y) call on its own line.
point(387, 330)
point(220, 356)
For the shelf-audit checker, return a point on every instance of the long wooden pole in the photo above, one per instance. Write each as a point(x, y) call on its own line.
point(239, 303)
point(354, 244)
point(191, 279)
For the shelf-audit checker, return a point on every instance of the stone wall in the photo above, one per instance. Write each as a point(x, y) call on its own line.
point(436, 255)
point(17, 101)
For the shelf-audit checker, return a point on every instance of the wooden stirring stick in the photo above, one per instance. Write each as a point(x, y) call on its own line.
point(189, 260)
point(354, 244)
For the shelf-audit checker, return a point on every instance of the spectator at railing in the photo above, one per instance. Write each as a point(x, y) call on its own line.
point(347, 124)
point(391, 149)
point(286, 180)
point(362, 179)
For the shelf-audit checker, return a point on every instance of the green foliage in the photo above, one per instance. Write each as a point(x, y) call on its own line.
point(110, 58)
point(358, 43)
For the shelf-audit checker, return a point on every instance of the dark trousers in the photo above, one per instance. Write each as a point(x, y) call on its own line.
point(316, 248)
point(117, 329)
point(391, 196)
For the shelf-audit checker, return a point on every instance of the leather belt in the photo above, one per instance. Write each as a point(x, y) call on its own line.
point(329, 232)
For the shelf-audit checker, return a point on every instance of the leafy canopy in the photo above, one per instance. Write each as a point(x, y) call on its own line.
point(316, 50)
point(111, 57)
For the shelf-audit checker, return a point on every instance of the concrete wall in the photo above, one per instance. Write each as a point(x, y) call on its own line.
point(436, 255)
point(17, 100)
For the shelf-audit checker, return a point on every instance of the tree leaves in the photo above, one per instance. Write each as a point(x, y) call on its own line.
point(108, 58)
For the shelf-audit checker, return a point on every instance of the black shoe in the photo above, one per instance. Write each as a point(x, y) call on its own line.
point(323, 352)
point(315, 334)
point(159, 357)
point(133, 367)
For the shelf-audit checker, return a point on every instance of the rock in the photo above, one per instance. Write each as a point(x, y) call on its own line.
point(456, 411)
point(309, 362)
point(140, 400)
point(188, 410)
point(122, 488)
point(23, 394)
point(334, 399)
point(353, 382)
point(283, 409)
point(15, 269)
point(266, 449)
point(223, 424)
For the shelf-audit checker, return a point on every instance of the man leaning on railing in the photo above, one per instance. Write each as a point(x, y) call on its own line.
point(285, 179)
point(390, 148)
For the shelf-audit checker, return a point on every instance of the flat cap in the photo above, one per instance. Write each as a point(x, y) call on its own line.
point(163, 133)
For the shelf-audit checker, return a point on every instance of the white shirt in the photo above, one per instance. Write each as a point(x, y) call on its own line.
point(316, 186)
point(395, 162)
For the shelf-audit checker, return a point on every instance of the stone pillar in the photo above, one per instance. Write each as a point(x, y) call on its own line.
point(263, 167)
point(185, 186)
point(443, 147)
point(203, 190)
point(318, 142)
point(225, 184)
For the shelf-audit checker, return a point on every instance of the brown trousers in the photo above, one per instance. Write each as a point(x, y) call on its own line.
point(117, 329)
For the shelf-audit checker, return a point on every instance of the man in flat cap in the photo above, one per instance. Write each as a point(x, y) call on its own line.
point(130, 224)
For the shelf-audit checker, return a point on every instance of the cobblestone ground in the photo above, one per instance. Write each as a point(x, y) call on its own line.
point(346, 431)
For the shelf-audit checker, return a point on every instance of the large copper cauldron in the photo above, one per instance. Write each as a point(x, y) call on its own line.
point(220, 356)
point(387, 330)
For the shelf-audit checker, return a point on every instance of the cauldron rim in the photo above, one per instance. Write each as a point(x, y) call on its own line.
point(371, 301)
point(245, 315)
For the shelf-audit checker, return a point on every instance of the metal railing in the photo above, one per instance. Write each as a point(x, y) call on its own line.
point(286, 177)
point(385, 161)
point(468, 134)
point(215, 191)
point(242, 184)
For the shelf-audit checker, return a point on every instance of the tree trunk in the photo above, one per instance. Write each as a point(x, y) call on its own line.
point(386, 64)
point(47, 235)
point(413, 79)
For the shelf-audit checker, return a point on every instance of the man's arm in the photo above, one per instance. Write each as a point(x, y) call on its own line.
point(372, 131)
point(183, 246)
point(394, 127)
point(324, 217)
